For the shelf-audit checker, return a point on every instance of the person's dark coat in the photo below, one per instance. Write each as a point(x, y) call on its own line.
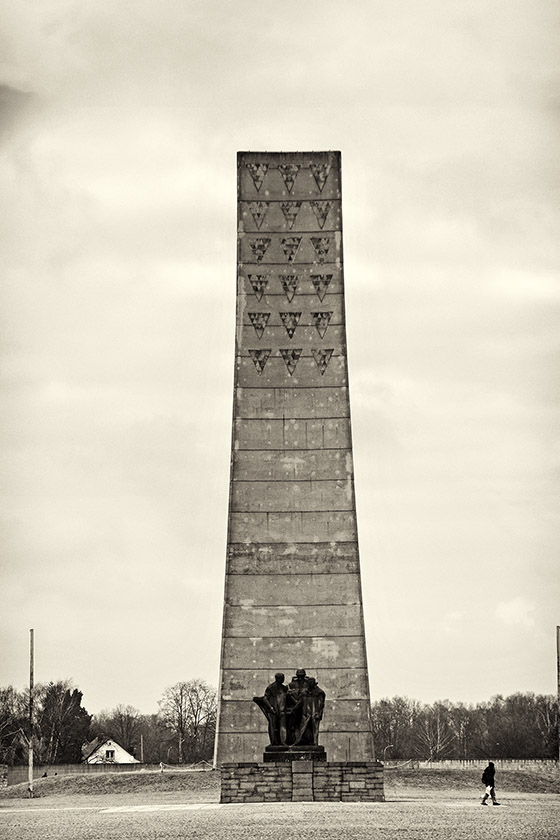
point(488, 775)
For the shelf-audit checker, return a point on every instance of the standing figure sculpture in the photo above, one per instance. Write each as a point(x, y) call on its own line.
point(296, 690)
point(312, 705)
point(293, 713)
point(273, 706)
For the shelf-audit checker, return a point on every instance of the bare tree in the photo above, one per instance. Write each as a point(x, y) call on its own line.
point(518, 726)
point(547, 722)
point(394, 723)
point(123, 723)
point(189, 710)
point(157, 739)
point(434, 733)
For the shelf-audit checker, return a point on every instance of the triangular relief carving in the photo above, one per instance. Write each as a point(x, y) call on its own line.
point(321, 245)
point(290, 245)
point(321, 283)
point(290, 209)
point(258, 210)
point(291, 357)
point(259, 284)
point(289, 284)
point(258, 172)
point(290, 321)
point(289, 171)
point(322, 358)
point(259, 320)
point(320, 173)
point(321, 210)
point(321, 321)
point(260, 358)
point(259, 248)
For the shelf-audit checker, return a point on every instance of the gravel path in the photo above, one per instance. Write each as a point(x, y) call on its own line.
point(407, 815)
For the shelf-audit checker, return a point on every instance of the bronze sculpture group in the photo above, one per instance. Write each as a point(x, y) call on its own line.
point(293, 712)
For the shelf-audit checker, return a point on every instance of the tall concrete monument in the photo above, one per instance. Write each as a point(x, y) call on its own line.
point(292, 593)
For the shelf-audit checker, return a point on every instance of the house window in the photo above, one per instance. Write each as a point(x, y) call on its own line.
point(109, 754)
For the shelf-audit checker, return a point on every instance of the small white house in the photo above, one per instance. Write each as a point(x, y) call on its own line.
point(109, 752)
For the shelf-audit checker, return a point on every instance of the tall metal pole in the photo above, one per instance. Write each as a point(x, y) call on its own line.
point(558, 686)
point(31, 680)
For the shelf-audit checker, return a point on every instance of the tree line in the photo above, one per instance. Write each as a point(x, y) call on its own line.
point(522, 725)
point(180, 732)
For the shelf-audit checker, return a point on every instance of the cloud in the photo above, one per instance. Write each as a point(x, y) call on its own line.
point(118, 197)
point(453, 622)
point(519, 611)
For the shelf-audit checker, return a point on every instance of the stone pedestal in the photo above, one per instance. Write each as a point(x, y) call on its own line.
point(299, 753)
point(302, 781)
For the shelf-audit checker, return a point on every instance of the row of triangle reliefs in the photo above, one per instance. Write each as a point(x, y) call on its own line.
point(290, 246)
point(290, 210)
point(289, 172)
point(290, 320)
point(291, 358)
point(321, 283)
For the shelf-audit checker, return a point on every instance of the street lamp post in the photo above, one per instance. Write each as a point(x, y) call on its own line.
point(388, 747)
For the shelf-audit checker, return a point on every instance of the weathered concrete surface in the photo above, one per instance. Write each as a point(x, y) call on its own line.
point(326, 652)
point(293, 593)
point(296, 589)
point(351, 683)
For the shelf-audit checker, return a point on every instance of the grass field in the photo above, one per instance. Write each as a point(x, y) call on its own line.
point(511, 781)
point(200, 784)
point(205, 785)
point(420, 805)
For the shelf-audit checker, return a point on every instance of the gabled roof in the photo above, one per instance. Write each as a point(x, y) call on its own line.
point(98, 743)
point(89, 747)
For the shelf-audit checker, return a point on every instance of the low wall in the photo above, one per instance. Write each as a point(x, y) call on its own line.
point(302, 781)
point(473, 763)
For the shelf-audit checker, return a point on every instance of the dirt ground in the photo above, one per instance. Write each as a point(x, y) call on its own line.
point(187, 807)
point(406, 816)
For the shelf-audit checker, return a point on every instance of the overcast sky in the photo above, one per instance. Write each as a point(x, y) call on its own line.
point(120, 127)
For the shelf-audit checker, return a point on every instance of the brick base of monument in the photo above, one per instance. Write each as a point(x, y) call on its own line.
point(303, 781)
point(301, 753)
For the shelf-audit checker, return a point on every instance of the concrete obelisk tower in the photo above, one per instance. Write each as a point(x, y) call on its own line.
point(293, 592)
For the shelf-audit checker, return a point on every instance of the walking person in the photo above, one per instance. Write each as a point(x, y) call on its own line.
point(488, 780)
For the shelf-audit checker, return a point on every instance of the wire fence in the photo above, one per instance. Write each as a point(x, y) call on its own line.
point(19, 773)
point(185, 768)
